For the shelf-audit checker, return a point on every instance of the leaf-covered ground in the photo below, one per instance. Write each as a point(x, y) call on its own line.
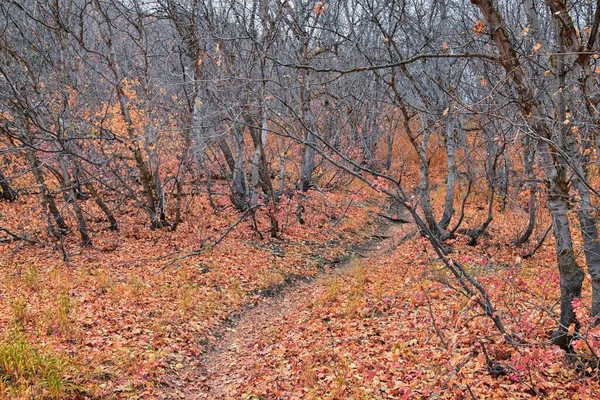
point(134, 316)
point(130, 316)
point(390, 326)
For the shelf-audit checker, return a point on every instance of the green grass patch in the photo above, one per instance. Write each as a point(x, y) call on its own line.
point(31, 373)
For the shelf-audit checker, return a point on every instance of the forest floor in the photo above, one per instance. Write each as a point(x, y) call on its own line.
point(131, 315)
point(230, 364)
point(340, 307)
point(387, 324)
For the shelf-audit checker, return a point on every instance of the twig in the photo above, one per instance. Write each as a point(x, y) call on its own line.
point(397, 220)
point(462, 209)
point(539, 244)
point(386, 66)
point(494, 367)
point(338, 220)
point(203, 248)
point(15, 237)
point(236, 223)
point(438, 331)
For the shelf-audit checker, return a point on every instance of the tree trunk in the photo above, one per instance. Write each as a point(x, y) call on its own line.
point(424, 190)
point(571, 274)
point(113, 225)
point(308, 155)
point(7, 192)
point(222, 143)
point(48, 203)
point(51, 211)
point(528, 161)
point(68, 186)
point(239, 186)
point(450, 179)
point(567, 40)
point(133, 145)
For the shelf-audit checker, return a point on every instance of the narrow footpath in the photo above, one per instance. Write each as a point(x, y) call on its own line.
point(243, 343)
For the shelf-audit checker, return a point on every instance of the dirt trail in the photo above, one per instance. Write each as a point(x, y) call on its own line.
point(238, 342)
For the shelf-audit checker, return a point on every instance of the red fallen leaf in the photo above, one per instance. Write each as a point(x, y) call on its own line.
point(406, 394)
point(371, 375)
point(420, 298)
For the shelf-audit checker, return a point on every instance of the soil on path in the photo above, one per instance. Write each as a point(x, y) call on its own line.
point(239, 342)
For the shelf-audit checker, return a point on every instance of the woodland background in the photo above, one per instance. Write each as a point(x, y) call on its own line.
point(167, 165)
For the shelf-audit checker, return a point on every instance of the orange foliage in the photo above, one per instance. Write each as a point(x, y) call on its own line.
point(140, 309)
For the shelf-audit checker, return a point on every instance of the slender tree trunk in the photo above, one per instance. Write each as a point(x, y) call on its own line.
point(421, 151)
point(255, 178)
point(239, 186)
point(153, 164)
point(528, 161)
point(308, 155)
point(48, 203)
point(591, 244)
point(450, 179)
point(68, 186)
point(424, 190)
point(113, 225)
point(266, 177)
point(197, 133)
point(7, 191)
point(51, 211)
point(567, 40)
point(222, 143)
point(308, 165)
point(179, 195)
point(389, 151)
point(133, 145)
point(282, 157)
point(571, 274)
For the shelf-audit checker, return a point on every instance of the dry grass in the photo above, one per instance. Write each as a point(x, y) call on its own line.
point(29, 372)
